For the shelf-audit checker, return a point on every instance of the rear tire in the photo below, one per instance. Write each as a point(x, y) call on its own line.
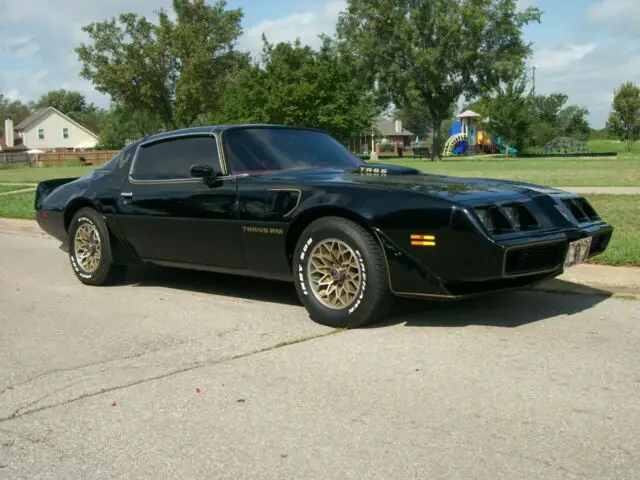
point(340, 274)
point(90, 249)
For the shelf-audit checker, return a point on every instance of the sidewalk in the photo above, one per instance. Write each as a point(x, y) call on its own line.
point(583, 279)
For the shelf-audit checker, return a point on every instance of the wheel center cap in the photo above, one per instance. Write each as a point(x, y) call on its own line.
point(338, 273)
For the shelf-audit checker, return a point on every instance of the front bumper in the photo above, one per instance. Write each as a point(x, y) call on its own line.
point(467, 264)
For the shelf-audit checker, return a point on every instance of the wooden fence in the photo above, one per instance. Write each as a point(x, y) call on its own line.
point(64, 158)
point(17, 159)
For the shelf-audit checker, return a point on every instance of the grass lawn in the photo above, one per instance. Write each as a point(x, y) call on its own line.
point(10, 188)
point(601, 146)
point(37, 174)
point(621, 211)
point(623, 171)
point(19, 205)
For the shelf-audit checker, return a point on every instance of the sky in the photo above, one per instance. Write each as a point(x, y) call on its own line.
point(585, 48)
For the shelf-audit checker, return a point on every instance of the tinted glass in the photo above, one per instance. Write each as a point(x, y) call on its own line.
point(262, 149)
point(172, 159)
point(119, 160)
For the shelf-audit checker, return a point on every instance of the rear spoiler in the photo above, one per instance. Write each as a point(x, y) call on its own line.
point(46, 187)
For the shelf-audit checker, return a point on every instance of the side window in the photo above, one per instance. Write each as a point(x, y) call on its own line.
point(172, 159)
point(120, 159)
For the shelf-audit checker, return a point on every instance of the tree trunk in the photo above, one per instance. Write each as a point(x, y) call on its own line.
point(435, 144)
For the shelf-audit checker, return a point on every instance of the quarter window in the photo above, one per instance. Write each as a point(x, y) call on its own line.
point(172, 159)
point(65, 133)
point(41, 134)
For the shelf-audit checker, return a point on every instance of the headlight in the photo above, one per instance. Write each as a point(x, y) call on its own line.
point(513, 215)
point(485, 218)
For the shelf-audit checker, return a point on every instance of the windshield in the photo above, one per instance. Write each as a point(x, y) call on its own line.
point(255, 150)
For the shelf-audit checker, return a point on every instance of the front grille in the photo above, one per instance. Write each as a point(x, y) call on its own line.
point(507, 218)
point(581, 209)
point(535, 258)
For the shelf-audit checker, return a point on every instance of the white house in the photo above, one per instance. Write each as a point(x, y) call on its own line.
point(48, 129)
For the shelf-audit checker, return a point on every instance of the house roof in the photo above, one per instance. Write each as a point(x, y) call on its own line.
point(387, 128)
point(41, 112)
point(32, 118)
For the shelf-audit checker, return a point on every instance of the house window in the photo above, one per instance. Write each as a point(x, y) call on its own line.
point(65, 132)
point(41, 133)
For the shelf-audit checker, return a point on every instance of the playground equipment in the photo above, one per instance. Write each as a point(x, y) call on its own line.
point(466, 139)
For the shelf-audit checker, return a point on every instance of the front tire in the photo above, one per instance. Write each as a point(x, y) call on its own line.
point(340, 274)
point(90, 249)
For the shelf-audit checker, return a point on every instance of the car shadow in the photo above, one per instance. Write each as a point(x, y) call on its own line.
point(213, 284)
point(507, 309)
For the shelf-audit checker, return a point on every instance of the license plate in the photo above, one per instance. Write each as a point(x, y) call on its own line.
point(578, 252)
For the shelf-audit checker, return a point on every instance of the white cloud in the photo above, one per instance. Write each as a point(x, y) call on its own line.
point(53, 63)
point(307, 26)
point(524, 4)
point(618, 16)
point(19, 47)
point(22, 85)
point(555, 59)
point(588, 73)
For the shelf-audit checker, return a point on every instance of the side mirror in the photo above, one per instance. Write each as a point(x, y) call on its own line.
point(206, 172)
point(202, 171)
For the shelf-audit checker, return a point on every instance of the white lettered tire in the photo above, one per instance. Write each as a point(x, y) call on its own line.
point(340, 274)
point(90, 249)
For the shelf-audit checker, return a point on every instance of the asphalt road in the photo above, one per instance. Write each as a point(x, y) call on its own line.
point(191, 375)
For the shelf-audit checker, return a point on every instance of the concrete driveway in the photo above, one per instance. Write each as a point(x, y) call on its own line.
point(192, 375)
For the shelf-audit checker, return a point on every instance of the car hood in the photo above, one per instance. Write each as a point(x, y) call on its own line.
point(459, 189)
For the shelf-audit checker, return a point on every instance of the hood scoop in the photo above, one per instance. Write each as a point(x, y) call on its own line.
point(378, 169)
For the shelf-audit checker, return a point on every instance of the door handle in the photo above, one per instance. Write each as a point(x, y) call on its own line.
point(126, 194)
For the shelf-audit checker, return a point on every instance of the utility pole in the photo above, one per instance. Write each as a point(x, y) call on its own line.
point(534, 79)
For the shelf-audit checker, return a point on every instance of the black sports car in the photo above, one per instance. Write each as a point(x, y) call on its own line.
point(294, 204)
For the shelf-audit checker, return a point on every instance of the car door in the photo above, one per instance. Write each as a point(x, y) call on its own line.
point(170, 217)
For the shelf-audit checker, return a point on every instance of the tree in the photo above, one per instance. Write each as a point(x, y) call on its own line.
point(12, 109)
point(624, 120)
point(175, 70)
point(296, 85)
point(573, 123)
point(66, 101)
point(510, 116)
point(547, 108)
point(121, 126)
point(442, 49)
point(415, 116)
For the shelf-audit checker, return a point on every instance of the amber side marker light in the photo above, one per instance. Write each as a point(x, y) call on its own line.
point(423, 240)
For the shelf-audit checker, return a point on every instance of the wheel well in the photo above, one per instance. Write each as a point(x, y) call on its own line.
point(72, 208)
point(304, 220)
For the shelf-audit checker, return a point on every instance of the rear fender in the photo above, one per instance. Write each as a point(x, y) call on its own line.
point(46, 187)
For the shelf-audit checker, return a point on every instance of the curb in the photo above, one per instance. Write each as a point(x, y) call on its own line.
point(16, 226)
point(587, 279)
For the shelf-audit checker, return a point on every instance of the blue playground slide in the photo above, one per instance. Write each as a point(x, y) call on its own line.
point(461, 146)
